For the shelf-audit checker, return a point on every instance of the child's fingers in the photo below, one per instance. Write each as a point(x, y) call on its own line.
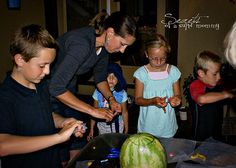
point(175, 102)
point(79, 129)
point(90, 137)
point(164, 109)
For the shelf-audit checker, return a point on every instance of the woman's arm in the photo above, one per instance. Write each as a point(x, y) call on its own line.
point(105, 90)
point(72, 101)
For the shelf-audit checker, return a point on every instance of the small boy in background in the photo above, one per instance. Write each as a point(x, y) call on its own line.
point(117, 86)
point(207, 93)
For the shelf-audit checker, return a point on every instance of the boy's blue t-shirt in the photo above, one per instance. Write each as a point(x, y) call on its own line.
point(120, 97)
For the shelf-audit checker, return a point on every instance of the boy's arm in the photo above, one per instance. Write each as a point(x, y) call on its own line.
point(14, 144)
point(60, 121)
point(125, 117)
point(91, 131)
point(198, 94)
point(63, 123)
point(212, 97)
point(92, 122)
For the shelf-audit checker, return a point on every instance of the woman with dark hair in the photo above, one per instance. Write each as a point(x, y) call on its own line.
point(82, 50)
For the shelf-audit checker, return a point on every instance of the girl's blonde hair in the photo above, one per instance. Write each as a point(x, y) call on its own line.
point(157, 41)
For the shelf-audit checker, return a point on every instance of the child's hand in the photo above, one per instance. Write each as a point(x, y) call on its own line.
point(80, 130)
point(90, 136)
point(161, 102)
point(174, 101)
point(230, 94)
point(75, 127)
point(67, 121)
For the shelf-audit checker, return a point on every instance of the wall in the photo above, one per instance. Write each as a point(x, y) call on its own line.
point(194, 40)
point(61, 14)
point(32, 11)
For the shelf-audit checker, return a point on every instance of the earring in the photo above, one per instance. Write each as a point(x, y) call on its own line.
point(107, 39)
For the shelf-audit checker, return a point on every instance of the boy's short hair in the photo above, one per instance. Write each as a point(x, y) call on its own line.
point(203, 58)
point(29, 40)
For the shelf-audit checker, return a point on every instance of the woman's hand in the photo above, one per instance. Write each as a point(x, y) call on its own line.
point(103, 113)
point(104, 88)
point(114, 106)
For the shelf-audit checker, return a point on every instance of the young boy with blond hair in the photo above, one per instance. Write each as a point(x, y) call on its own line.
point(208, 94)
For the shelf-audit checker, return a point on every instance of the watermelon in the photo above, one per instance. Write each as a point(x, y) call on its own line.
point(142, 150)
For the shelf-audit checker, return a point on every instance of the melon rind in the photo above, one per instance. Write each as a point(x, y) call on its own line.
point(142, 150)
